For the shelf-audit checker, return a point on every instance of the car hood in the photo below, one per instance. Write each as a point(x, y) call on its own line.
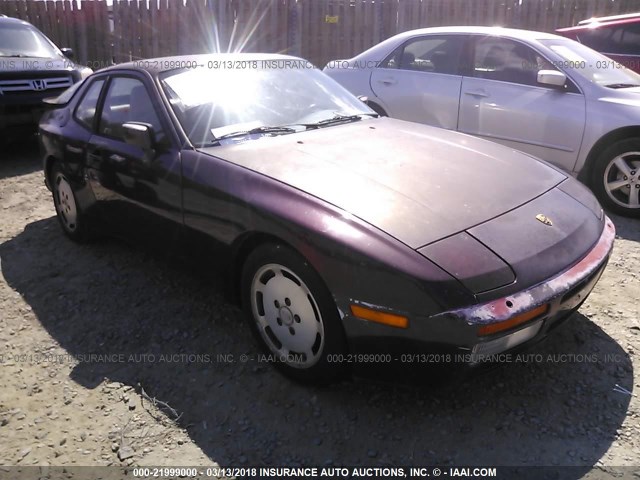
point(17, 64)
point(415, 182)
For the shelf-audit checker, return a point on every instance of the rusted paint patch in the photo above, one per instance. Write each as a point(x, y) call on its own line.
point(504, 308)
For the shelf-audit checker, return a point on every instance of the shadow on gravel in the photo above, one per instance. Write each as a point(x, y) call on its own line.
point(183, 344)
point(20, 158)
point(627, 228)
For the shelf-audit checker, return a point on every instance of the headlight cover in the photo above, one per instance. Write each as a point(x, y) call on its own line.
point(470, 262)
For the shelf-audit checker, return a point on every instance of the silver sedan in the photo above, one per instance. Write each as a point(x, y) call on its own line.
point(536, 92)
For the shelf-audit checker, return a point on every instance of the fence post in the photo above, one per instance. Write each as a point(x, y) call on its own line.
point(294, 28)
point(379, 22)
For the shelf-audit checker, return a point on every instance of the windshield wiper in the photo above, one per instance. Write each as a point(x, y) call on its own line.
point(284, 129)
point(254, 131)
point(338, 118)
point(622, 85)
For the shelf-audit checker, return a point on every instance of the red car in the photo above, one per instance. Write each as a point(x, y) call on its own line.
point(344, 235)
point(617, 37)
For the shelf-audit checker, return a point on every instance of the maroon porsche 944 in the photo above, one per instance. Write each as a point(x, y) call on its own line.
point(342, 231)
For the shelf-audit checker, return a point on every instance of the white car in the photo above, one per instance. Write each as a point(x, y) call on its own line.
point(543, 94)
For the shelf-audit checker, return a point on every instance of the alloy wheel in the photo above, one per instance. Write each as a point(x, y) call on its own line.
point(622, 180)
point(287, 316)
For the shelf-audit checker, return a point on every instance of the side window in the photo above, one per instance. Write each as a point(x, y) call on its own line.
point(597, 38)
point(86, 109)
point(437, 54)
point(604, 39)
point(630, 41)
point(127, 100)
point(505, 60)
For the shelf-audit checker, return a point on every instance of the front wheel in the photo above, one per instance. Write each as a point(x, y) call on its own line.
point(616, 178)
point(292, 314)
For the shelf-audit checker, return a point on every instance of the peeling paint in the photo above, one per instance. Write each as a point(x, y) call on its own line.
point(370, 305)
point(546, 292)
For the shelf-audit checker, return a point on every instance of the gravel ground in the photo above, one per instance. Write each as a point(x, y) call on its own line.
point(169, 394)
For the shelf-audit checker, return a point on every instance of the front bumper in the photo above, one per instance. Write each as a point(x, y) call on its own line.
point(457, 330)
point(563, 294)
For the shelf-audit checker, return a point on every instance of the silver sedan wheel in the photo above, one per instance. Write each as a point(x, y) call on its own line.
point(622, 180)
point(65, 203)
point(287, 316)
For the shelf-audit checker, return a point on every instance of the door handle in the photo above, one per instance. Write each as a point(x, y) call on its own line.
point(477, 93)
point(94, 156)
point(72, 149)
point(388, 81)
point(116, 158)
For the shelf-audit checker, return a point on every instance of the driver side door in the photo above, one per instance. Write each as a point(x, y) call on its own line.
point(139, 189)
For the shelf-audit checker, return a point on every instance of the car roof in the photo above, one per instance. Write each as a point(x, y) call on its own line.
point(4, 20)
point(158, 65)
point(610, 18)
point(497, 30)
point(382, 48)
point(595, 22)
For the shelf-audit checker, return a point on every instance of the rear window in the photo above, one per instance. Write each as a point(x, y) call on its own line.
point(620, 39)
point(592, 65)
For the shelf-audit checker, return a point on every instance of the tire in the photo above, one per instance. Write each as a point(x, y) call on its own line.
point(616, 178)
point(292, 314)
point(71, 217)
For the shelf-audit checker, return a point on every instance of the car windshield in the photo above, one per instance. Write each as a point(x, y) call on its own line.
point(212, 103)
point(592, 65)
point(24, 41)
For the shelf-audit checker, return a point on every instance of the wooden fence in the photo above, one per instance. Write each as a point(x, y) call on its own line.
point(318, 30)
point(85, 29)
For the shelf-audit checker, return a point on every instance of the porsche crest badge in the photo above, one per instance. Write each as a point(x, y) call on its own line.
point(544, 219)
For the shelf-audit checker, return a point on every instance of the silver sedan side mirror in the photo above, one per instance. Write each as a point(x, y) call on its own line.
point(553, 78)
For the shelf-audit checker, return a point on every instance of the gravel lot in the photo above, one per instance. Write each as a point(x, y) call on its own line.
point(168, 329)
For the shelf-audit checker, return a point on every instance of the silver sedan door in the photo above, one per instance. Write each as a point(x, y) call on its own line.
point(420, 81)
point(502, 101)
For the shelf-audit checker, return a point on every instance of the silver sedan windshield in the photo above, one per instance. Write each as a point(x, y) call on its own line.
point(215, 102)
point(592, 65)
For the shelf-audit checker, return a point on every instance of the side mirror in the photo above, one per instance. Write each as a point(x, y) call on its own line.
point(552, 78)
point(139, 135)
point(68, 52)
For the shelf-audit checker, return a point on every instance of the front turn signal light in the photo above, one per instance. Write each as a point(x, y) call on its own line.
point(390, 319)
point(521, 318)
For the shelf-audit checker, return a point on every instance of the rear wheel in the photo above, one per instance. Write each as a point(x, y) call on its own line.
point(292, 314)
point(70, 215)
point(616, 177)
